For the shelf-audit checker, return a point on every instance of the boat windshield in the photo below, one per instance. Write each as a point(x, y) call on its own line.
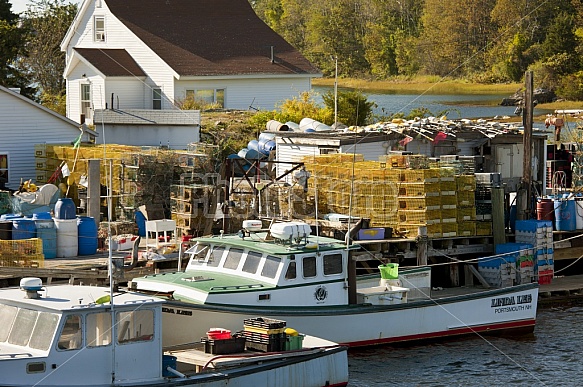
point(27, 327)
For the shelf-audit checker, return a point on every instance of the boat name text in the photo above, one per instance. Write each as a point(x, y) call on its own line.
point(512, 303)
point(177, 311)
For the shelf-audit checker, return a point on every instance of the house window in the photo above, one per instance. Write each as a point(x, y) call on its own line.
point(157, 99)
point(99, 28)
point(208, 96)
point(3, 169)
point(86, 101)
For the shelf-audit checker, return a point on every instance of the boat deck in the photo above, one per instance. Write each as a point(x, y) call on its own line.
point(192, 358)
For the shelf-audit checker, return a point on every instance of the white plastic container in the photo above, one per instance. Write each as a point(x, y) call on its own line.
point(67, 238)
point(289, 230)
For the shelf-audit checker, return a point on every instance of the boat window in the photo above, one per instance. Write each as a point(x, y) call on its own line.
point(252, 262)
point(198, 254)
point(233, 259)
point(270, 267)
point(291, 271)
point(98, 329)
point(23, 325)
point(137, 325)
point(44, 331)
point(309, 265)
point(7, 316)
point(71, 337)
point(332, 264)
point(215, 256)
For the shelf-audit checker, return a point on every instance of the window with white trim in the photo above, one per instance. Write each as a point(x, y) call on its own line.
point(3, 169)
point(209, 96)
point(86, 101)
point(157, 99)
point(99, 28)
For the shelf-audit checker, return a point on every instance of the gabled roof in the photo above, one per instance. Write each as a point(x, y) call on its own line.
point(112, 62)
point(67, 121)
point(205, 38)
point(147, 117)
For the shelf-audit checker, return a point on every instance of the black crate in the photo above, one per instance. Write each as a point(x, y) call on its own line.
point(224, 347)
point(265, 343)
point(264, 322)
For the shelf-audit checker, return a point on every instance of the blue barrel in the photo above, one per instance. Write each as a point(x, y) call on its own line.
point(49, 238)
point(10, 217)
point(65, 209)
point(87, 235)
point(23, 229)
point(141, 222)
point(565, 215)
point(253, 145)
point(266, 146)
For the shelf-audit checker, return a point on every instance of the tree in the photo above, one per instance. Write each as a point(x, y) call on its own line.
point(11, 47)
point(47, 22)
point(353, 107)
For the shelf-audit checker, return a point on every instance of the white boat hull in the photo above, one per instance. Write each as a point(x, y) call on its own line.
point(361, 325)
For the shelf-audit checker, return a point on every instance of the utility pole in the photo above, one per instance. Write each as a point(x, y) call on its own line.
point(335, 90)
point(523, 199)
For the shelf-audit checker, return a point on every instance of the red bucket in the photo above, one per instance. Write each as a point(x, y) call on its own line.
point(218, 334)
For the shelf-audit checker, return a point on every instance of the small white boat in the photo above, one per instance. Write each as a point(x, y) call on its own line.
point(310, 283)
point(62, 335)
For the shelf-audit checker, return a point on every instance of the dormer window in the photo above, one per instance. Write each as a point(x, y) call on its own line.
point(99, 27)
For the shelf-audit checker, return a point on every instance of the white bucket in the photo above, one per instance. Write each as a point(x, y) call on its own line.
point(67, 238)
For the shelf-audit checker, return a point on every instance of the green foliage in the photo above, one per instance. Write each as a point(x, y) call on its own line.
point(47, 22)
point(191, 103)
point(571, 87)
point(57, 103)
point(353, 107)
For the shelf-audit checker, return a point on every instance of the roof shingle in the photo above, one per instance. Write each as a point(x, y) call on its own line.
point(205, 38)
point(112, 62)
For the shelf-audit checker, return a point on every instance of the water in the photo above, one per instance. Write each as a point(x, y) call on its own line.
point(454, 106)
point(549, 357)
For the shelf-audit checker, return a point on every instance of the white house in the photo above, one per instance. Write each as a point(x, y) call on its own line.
point(23, 124)
point(151, 54)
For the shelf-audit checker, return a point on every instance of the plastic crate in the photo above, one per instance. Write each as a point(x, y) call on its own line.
point(224, 347)
point(265, 343)
point(264, 325)
point(293, 343)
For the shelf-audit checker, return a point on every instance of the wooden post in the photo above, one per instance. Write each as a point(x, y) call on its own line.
point(498, 229)
point(422, 246)
point(94, 190)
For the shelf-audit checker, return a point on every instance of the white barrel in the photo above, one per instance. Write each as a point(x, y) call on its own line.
point(308, 123)
point(293, 127)
point(67, 237)
point(276, 126)
point(266, 136)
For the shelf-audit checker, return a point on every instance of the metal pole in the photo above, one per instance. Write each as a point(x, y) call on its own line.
point(335, 90)
point(527, 141)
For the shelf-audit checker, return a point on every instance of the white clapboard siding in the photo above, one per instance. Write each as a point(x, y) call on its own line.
point(24, 123)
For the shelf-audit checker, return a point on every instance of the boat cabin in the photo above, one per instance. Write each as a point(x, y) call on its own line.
point(63, 336)
point(282, 266)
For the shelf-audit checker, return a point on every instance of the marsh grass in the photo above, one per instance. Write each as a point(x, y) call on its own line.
point(422, 84)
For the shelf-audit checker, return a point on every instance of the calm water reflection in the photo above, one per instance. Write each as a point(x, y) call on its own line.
point(550, 357)
point(454, 106)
